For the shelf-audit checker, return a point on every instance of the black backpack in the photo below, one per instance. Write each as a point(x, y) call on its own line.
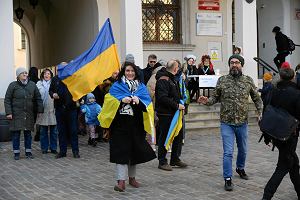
point(291, 45)
point(277, 123)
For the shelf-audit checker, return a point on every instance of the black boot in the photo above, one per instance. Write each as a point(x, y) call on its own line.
point(90, 141)
point(94, 142)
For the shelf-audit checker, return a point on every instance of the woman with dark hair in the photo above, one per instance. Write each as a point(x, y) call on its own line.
point(205, 68)
point(124, 111)
point(47, 119)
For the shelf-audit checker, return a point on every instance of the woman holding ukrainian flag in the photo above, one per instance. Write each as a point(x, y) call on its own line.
point(128, 112)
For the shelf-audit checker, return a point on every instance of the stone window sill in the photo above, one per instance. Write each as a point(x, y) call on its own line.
point(168, 47)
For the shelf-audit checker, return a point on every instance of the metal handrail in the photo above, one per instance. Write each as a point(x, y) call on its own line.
point(264, 64)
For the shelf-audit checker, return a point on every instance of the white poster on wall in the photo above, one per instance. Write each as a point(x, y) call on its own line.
point(215, 51)
point(209, 24)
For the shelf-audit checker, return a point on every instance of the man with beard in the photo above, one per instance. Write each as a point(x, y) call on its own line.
point(233, 91)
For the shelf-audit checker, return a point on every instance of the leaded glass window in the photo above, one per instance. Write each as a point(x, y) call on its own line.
point(161, 21)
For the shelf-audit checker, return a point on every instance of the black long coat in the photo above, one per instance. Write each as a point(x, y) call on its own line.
point(128, 139)
point(22, 101)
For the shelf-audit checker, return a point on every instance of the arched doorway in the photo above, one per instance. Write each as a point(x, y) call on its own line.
point(269, 14)
point(58, 30)
point(21, 47)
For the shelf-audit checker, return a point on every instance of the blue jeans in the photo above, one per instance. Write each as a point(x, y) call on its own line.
point(67, 125)
point(44, 138)
point(229, 132)
point(16, 141)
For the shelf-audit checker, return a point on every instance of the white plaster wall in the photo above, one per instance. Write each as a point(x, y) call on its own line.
point(6, 47)
point(295, 32)
point(131, 27)
point(19, 53)
point(270, 14)
point(200, 42)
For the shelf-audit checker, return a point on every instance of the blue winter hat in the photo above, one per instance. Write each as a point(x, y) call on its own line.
point(90, 96)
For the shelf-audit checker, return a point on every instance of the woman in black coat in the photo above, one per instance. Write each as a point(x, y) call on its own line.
point(285, 96)
point(128, 145)
point(21, 99)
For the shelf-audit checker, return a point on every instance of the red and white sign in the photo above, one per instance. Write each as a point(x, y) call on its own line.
point(209, 5)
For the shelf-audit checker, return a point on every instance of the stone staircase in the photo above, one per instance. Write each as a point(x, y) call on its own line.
point(206, 119)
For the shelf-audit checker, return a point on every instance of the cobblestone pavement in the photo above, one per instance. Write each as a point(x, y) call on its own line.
point(92, 176)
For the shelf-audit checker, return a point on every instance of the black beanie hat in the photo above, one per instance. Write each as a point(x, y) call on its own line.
point(237, 56)
point(276, 29)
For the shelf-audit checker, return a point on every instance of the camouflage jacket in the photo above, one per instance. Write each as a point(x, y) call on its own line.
point(233, 93)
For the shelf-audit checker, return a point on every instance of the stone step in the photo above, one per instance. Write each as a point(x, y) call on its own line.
point(213, 121)
point(194, 107)
point(211, 129)
point(203, 122)
point(202, 115)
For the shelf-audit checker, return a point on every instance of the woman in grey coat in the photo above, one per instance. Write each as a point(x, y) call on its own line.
point(21, 99)
point(47, 119)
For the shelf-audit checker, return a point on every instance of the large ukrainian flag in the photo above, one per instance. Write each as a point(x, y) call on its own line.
point(177, 121)
point(84, 73)
point(112, 101)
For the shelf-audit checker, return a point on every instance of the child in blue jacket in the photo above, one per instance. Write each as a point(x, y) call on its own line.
point(91, 110)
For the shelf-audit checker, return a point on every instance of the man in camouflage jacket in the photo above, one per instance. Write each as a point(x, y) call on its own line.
point(233, 91)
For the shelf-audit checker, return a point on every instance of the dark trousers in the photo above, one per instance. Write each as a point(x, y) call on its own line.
point(164, 125)
point(67, 121)
point(16, 141)
point(288, 162)
point(279, 59)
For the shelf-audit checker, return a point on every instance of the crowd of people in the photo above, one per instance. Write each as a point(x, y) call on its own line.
point(120, 102)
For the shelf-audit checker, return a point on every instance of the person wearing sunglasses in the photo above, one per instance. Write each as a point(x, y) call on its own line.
point(232, 91)
point(152, 64)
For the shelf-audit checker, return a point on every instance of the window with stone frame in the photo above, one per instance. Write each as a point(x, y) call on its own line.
point(161, 21)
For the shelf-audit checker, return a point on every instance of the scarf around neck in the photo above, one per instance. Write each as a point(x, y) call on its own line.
point(132, 84)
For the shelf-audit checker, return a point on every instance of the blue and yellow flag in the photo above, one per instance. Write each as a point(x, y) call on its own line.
point(177, 121)
point(93, 66)
point(112, 101)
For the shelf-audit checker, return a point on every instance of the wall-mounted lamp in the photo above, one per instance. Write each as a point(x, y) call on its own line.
point(19, 12)
point(33, 3)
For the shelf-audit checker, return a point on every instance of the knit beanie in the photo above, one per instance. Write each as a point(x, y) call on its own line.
point(267, 76)
point(285, 65)
point(276, 29)
point(129, 58)
point(237, 56)
point(190, 56)
point(90, 96)
point(20, 70)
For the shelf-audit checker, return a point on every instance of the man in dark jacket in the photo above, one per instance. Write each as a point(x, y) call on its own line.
point(152, 64)
point(66, 117)
point(167, 95)
point(286, 96)
point(282, 46)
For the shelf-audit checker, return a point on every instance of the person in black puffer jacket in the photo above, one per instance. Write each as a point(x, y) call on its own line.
point(286, 96)
point(167, 95)
point(282, 46)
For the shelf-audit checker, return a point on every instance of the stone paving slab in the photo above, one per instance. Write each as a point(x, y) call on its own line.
point(92, 176)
